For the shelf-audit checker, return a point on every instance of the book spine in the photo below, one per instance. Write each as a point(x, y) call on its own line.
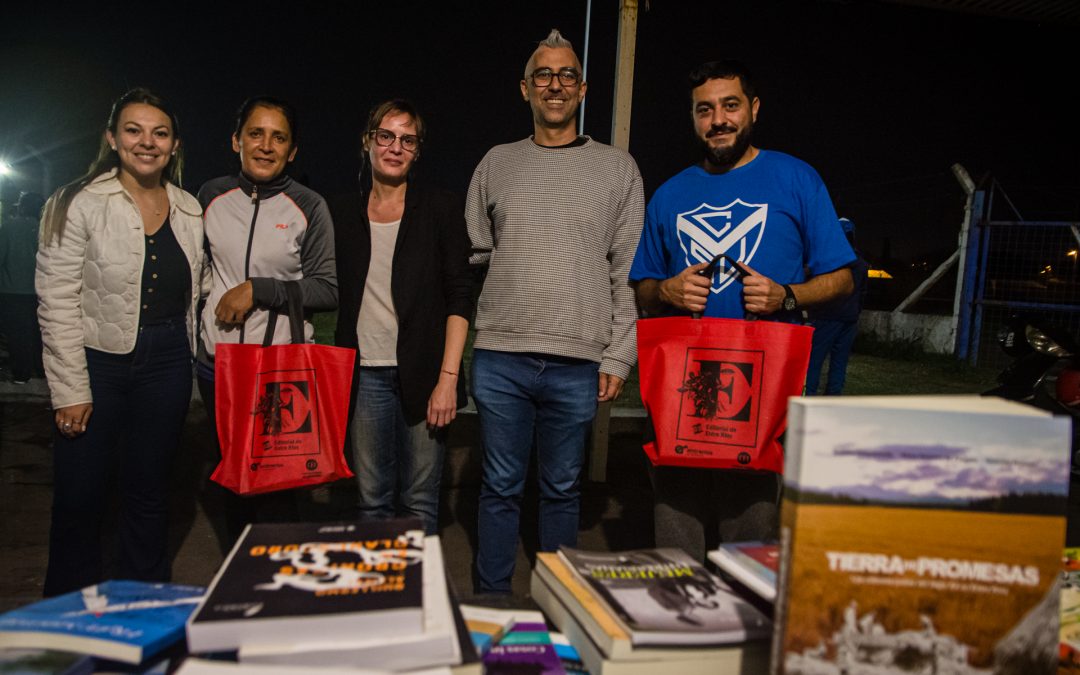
point(788, 515)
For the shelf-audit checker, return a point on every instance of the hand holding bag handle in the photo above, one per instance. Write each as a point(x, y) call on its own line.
point(295, 310)
point(735, 267)
point(282, 409)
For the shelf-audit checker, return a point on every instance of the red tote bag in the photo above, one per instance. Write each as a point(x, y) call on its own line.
point(716, 390)
point(281, 410)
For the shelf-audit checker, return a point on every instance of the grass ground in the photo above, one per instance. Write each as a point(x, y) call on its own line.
point(874, 369)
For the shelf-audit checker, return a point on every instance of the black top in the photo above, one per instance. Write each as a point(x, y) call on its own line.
point(166, 278)
point(430, 280)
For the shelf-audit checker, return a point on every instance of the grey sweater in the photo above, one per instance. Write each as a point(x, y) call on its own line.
point(558, 228)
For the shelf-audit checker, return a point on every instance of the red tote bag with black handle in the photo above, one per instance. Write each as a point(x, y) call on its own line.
point(716, 390)
point(281, 410)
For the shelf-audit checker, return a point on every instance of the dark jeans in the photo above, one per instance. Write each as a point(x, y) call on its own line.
point(832, 339)
point(18, 320)
point(271, 507)
point(522, 400)
point(140, 402)
point(398, 466)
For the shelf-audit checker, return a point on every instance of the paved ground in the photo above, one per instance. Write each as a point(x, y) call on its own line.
point(616, 514)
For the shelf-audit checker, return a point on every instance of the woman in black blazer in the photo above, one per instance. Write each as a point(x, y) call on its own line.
point(405, 301)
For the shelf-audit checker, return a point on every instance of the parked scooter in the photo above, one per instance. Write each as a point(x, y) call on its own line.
point(1045, 373)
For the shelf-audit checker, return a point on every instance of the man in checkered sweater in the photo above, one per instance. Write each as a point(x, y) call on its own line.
point(557, 218)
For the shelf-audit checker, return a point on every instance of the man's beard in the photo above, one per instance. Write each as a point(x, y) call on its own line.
point(726, 156)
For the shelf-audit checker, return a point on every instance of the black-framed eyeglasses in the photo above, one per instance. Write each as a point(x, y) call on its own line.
point(568, 77)
point(386, 138)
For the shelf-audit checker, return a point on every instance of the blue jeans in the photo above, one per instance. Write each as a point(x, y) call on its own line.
point(832, 339)
point(391, 456)
point(140, 402)
point(522, 399)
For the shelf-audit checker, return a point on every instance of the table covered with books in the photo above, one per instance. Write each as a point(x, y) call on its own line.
point(917, 536)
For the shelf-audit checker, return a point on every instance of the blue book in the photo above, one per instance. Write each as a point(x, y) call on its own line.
point(125, 621)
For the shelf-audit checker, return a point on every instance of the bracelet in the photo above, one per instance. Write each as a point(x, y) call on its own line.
point(444, 370)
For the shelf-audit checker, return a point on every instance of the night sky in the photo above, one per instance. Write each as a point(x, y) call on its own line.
point(881, 99)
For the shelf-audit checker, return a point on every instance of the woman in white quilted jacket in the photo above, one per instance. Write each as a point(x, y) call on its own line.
point(118, 274)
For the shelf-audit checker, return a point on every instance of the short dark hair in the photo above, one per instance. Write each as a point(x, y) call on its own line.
point(281, 105)
point(727, 69)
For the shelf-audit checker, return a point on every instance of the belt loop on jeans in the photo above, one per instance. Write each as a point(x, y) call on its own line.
point(173, 322)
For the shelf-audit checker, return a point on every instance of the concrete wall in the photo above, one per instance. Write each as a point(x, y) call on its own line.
point(934, 333)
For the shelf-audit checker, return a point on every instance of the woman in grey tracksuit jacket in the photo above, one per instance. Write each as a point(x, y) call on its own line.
point(262, 229)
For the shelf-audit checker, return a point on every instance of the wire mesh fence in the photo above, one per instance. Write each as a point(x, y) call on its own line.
point(1028, 268)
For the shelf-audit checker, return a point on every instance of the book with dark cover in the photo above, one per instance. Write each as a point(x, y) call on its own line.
point(436, 645)
point(618, 657)
point(752, 563)
point(663, 597)
point(471, 662)
point(126, 621)
point(920, 534)
point(44, 662)
point(295, 582)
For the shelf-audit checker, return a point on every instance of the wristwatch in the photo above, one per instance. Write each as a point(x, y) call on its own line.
point(790, 303)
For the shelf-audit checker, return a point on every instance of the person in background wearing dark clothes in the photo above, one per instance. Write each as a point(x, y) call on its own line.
point(405, 294)
point(18, 301)
point(835, 325)
point(118, 273)
point(262, 229)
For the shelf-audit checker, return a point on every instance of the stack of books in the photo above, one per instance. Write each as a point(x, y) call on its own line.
point(647, 611)
point(752, 564)
point(371, 595)
point(130, 622)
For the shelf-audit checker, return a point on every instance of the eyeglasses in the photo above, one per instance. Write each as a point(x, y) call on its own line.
point(568, 77)
point(384, 138)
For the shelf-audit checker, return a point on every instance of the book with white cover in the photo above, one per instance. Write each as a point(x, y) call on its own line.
point(487, 626)
point(437, 645)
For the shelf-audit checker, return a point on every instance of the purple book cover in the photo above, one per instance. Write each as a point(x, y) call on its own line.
point(533, 659)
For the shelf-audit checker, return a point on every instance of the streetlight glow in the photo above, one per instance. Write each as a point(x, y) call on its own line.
point(5, 168)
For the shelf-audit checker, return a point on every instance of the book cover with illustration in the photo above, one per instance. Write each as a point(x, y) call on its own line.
point(291, 582)
point(662, 596)
point(920, 534)
point(752, 563)
point(435, 646)
point(1069, 611)
point(126, 621)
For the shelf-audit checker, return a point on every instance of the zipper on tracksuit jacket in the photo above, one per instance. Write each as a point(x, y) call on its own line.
point(247, 253)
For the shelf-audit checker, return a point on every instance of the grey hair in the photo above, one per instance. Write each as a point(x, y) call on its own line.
point(554, 40)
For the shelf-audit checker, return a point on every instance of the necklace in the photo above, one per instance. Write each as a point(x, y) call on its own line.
point(153, 202)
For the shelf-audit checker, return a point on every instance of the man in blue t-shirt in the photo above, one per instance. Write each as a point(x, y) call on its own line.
point(772, 213)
